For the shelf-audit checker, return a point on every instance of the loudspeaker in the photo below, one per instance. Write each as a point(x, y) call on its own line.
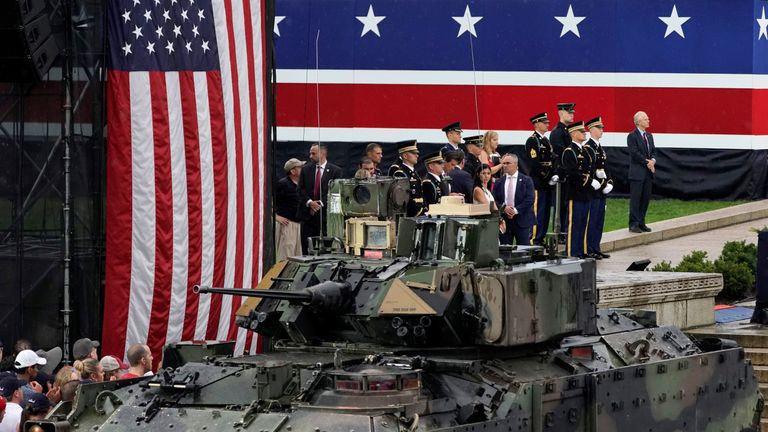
point(28, 48)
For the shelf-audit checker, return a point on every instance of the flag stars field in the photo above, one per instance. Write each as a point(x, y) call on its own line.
point(370, 22)
point(570, 22)
point(674, 23)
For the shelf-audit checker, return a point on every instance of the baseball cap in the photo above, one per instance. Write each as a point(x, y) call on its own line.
point(83, 347)
point(10, 384)
point(53, 356)
point(292, 163)
point(37, 402)
point(28, 358)
point(112, 363)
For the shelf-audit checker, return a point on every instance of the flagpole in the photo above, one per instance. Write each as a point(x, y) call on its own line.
point(67, 138)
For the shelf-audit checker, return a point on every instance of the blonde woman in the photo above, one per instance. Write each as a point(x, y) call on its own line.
point(490, 154)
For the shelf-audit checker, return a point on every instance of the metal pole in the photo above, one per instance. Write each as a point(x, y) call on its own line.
point(67, 140)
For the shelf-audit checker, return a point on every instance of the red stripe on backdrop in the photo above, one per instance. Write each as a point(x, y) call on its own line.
point(161, 293)
point(256, 155)
point(119, 213)
point(672, 110)
point(219, 148)
point(240, 240)
point(759, 112)
point(194, 199)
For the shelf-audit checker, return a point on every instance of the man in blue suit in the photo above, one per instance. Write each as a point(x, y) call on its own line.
point(642, 167)
point(513, 194)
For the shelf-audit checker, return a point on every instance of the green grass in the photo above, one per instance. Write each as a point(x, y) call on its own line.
point(617, 211)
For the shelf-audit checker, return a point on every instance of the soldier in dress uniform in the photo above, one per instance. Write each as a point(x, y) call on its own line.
point(580, 185)
point(540, 158)
point(597, 205)
point(405, 167)
point(474, 146)
point(560, 138)
point(453, 133)
point(434, 186)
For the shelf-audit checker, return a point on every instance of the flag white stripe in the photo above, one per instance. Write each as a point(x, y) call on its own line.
point(257, 24)
point(142, 210)
point(208, 204)
point(222, 41)
point(180, 266)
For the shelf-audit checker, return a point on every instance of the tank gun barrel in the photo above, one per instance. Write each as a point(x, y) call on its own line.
point(292, 296)
point(325, 295)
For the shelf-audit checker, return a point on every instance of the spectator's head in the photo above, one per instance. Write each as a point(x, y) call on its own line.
point(578, 132)
point(453, 133)
point(292, 167)
point(90, 369)
point(509, 163)
point(483, 176)
point(68, 390)
point(362, 174)
point(409, 151)
point(65, 375)
point(10, 389)
point(453, 160)
point(374, 152)
point(113, 367)
point(140, 358)
point(27, 362)
point(21, 345)
point(367, 164)
point(595, 127)
point(641, 120)
point(474, 144)
point(490, 142)
point(37, 406)
point(84, 348)
point(540, 122)
point(434, 163)
point(565, 112)
point(318, 153)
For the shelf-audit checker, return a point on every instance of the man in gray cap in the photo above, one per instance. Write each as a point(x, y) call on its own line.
point(287, 201)
point(84, 348)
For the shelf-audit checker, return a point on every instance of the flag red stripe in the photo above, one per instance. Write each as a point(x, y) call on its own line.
point(240, 240)
point(194, 199)
point(119, 210)
point(256, 154)
point(158, 320)
point(672, 110)
point(219, 147)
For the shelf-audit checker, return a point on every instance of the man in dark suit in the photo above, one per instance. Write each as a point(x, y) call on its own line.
point(453, 134)
point(642, 167)
point(513, 194)
point(461, 182)
point(433, 186)
point(540, 157)
point(405, 167)
point(313, 192)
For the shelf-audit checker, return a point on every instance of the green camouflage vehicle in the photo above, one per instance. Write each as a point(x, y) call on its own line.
point(436, 328)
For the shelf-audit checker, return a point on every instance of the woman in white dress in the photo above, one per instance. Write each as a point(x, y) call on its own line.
point(482, 193)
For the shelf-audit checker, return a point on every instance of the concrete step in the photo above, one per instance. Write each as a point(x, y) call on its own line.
point(763, 425)
point(746, 335)
point(761, 372)
point(759, 356)
point(763, 389)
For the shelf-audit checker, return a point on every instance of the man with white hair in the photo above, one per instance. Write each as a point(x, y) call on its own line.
point(642, 167)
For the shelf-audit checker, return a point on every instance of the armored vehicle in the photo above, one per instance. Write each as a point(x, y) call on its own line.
point(397, 324)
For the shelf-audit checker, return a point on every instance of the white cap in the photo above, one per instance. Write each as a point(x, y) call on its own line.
point(28, 358)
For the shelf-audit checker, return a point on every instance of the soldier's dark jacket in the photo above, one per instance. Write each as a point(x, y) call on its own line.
point(599, 155)
point(540, 158)
point(433, 189)
point(416, 203)
point(577, 167)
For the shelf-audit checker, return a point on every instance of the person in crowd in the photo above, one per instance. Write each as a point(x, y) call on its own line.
point(37, 407)
point(597, 205)
point(474, 145)
point(287, 202)
point(580, 185)
point(460, 181)
point(453, 134)
point(490, 153)
point(90, 370)
point(313, 190)
point(362, 173)
point(7, 362)
point(10, 389)
point(367, 164)
point(27, 363)
point(140, 361)
point(68, 391)
point(513, 194)
point(483, 192)
point(539, 157)
point(434, 185)
point(53, 358)
point(405, 168)
point(113, 368)
point(85, 348)
point(375, 153)
point(642, 168)
point(560, 138)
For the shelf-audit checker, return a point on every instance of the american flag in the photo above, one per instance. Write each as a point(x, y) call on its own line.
point(186, 168)
point(394, 70)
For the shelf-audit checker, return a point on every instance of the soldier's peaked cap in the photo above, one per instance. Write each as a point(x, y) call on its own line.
point(475, 139)
point(595, 122)
point(576, 126)
point(566, 106)
point(433, 157)
point(539, 117)
point(456, 126)
point(407, 146)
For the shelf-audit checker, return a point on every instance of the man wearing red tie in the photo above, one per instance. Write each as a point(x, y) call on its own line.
point(313, 189)
point(513, 194)
point(642, 167)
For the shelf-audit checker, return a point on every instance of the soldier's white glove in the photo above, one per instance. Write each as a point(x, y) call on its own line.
point(595, 184)
point(608, 188)
point(600, 174)
point(554, 180)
